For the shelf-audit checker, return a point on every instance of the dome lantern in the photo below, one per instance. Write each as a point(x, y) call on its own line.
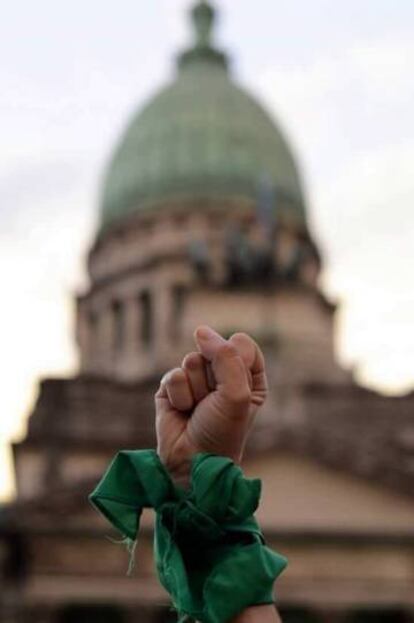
point(203, 18)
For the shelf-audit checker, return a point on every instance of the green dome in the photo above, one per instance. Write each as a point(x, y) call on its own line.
point(201, 136)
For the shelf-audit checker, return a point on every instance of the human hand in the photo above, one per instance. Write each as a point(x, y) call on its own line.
point(209, 404)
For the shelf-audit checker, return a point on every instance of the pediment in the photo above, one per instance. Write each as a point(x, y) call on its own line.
point(302, 495)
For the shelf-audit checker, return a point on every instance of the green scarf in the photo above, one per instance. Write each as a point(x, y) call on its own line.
point(209, 552)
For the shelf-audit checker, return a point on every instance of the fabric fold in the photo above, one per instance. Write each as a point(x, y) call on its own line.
point(208, 549)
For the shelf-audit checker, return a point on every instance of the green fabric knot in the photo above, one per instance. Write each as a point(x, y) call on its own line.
point(208, 549)
point(184, 518)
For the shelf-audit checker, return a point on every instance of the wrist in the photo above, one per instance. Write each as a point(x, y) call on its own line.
point(178, 470)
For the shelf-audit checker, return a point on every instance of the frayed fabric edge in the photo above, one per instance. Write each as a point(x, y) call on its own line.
point(131, 545)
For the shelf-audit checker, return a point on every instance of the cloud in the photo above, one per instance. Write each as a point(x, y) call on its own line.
point(42, 248)
point(177, 11)
point(350, 117)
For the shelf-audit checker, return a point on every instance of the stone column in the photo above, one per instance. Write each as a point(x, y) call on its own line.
point(87, 335)
point(132, 345)
point(104, 347)
point(81, 334)
point(162, 318)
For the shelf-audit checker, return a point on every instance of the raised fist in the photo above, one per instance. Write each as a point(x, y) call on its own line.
point(209, 404)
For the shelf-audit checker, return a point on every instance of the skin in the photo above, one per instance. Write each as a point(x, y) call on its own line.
point(209, 404)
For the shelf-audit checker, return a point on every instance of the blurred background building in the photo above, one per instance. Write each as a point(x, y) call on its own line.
point(203, 220)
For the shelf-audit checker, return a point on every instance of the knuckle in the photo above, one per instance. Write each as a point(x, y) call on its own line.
point(243, 340)
point(259, 398)
point(175, 376)
point(243, 396)
point(192, 361)
point(240, 336)
point(239, 396)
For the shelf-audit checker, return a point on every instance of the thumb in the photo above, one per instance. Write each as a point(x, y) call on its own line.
point(208, 341)
point(229, 370)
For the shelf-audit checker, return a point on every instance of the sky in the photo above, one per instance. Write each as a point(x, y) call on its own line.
point(336, 76)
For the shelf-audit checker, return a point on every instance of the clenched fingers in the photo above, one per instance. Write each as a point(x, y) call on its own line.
point(195, 367)
point(178, 389)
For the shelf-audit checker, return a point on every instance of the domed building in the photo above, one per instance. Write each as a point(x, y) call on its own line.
point(202, 205)
point(203, 219)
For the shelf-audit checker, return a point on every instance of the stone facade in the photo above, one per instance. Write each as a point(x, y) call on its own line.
point(154, 278)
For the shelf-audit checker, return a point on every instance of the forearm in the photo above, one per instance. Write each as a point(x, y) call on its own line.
point(258, 614)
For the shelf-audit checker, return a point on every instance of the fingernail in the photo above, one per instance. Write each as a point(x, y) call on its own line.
point(164, 378)
point(205, 333)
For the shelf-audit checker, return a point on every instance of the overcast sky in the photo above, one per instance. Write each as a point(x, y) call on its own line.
point(337, 76)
